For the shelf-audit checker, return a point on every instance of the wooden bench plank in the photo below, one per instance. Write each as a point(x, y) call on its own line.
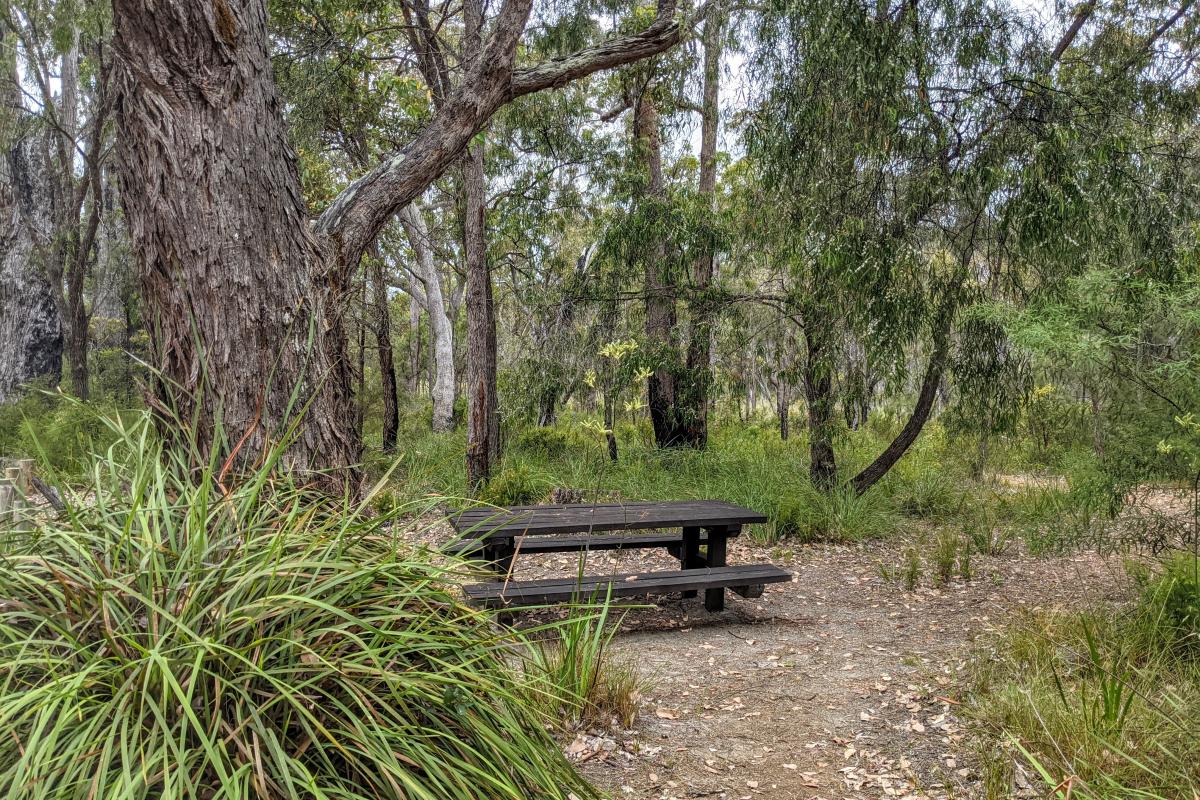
point(537, 520)
point(567, 544)
point(741, 578)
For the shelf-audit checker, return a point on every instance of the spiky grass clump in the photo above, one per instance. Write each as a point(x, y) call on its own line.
point(575, 675)
point(171, 637)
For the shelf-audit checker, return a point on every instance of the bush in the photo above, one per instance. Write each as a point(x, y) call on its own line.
point(554, 442)
point(515, 485)
point(61, 431)
point(837, 515)
point(577, 678)
point(927, 495)
point(170, 638)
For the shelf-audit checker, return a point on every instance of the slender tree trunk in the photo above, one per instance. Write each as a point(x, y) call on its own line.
point(414, 347)
point(782, 402)
point(694, 395)
point(442, 385)
point(483, 424)
point(873, 472)
point(383, 346)
point(245, 304)
point(818, 394)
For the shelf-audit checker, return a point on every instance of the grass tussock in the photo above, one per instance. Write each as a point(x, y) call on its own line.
point(1109, 702)
point(182, 634)
point(576, 677)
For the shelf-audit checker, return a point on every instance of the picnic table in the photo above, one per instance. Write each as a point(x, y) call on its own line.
point(695, 531)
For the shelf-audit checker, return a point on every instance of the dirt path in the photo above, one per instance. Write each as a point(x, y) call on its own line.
point(839, 685)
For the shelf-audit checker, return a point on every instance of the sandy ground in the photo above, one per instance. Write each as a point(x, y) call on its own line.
point(841, 684)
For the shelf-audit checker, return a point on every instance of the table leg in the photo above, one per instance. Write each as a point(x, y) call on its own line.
point(499, 555)
point(689, 553)
point(714, 599)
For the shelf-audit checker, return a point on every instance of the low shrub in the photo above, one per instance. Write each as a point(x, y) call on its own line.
point(176, 635)
point(554, 442)
point(809, 514)
point(575, 675)
point(515, 485)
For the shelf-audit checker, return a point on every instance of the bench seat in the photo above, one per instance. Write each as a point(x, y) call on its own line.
point(593, 541)
point(746, 579)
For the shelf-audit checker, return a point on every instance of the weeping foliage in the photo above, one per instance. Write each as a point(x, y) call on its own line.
point(179, 634)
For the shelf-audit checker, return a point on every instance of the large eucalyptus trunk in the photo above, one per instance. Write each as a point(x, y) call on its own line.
point(694, 395)
point(242, 300)
point(31, 341)
point(661, 311)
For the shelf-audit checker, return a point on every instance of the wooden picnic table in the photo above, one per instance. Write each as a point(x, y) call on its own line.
point(500, 534)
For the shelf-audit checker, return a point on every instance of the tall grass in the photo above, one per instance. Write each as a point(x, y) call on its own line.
point(183, 633)
point(1107, 703)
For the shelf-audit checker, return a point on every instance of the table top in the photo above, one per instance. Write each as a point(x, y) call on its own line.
point(491, 522)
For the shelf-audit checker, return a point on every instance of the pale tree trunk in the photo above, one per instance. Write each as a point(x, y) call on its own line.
point(31, 342)
point(442, 332)
point(245, 301)
point(694, 396)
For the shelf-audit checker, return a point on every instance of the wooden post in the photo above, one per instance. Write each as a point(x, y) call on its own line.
point(24, 471)
point(7, 495)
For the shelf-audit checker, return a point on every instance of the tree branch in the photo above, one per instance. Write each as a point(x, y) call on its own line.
point(356, 216)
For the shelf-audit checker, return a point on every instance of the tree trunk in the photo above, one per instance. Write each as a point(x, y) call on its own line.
point(383, 345)
point(873, 472)
point(243, 300)
point(483, 424)
point(442, 387)
point(30, 326)
point(818, 394)
point(694, 395)
point(414, 347)
point(782, 407)
point(246, 303)
point(661, 316)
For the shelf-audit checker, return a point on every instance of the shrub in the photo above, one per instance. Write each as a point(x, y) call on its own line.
point(553, 442)
point(1107, 696)
point(515, 485)
point(184, 634)
point(927, 495)
point(62, 431)
point(837, 515)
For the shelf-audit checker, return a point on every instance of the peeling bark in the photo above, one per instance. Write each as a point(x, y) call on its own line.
point(31, 340)
point(245, 301)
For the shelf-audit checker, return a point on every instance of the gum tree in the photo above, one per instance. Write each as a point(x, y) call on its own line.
point(245, 292)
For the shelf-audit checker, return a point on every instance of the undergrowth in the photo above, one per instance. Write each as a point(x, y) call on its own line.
point(179, 632)
point(1106, 702)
